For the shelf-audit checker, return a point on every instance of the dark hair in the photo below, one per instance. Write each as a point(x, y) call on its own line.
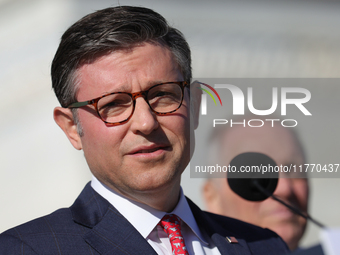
point(108, 30)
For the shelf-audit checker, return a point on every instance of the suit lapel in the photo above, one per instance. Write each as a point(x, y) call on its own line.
point(109, 232)
point(218, 234)
point(115, 235)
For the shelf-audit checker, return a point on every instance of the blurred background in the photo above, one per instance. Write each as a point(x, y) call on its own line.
point(40, 170)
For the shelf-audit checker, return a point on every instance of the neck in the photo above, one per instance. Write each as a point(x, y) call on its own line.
point(163, 199)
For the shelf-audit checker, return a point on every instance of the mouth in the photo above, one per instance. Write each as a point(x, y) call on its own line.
point(149, 150)
point(283, 213)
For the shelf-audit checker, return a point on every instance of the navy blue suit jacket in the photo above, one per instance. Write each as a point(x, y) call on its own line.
point(93, 226)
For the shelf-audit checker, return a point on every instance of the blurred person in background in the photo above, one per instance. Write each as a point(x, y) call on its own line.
point(283, 146)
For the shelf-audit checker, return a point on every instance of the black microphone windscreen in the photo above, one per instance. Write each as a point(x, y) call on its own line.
point(250, 170)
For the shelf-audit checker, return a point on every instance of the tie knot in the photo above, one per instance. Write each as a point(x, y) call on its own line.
point(171, 224)
point(170, 220)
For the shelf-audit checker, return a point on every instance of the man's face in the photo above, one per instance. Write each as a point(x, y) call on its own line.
point(149, 152)
point(280, 145)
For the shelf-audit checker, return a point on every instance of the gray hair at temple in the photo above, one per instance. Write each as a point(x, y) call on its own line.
point(106, 31)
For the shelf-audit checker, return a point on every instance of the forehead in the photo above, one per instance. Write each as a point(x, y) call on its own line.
point(127, 70)
point(278, 143)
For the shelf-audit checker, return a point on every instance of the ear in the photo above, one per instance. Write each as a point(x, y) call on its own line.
point(195, 101)
point(64, 118)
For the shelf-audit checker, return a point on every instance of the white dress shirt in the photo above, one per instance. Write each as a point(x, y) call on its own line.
point(145, 220)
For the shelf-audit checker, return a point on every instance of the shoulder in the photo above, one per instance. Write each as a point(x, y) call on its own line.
point(246, 230)
point(259, 240)
point(40, 236)
point(218, 227)
point(61, 232)
point(51, 222)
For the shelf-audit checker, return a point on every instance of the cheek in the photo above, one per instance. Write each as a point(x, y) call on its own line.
point(97, 137)
point(302, 192)
point(239, 207)
point(177, 132)
point(177, 124)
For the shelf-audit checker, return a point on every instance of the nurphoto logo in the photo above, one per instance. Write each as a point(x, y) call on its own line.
point(295, 96)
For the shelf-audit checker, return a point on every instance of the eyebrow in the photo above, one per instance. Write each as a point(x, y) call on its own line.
point(125, 87)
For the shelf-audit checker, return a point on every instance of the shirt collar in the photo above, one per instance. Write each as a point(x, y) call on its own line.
point(183, 211)
point(134, 211)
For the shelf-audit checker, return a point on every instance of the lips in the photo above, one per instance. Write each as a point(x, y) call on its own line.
point(147, 149)
point(282, 212)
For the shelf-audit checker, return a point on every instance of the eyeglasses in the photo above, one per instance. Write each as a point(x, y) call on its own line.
point(117, 108)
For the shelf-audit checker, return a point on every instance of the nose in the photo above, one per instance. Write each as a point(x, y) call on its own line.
point(284, 189)
point(143, 120)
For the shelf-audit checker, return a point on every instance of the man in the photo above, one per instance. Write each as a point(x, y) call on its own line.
point(283, 146)
point(122, 78)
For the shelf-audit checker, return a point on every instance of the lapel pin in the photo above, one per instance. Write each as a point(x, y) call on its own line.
point(231, 239)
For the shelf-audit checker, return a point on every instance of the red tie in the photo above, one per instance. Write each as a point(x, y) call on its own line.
point(172, 226)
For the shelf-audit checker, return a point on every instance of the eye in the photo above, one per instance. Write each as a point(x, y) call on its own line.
point(114, 104)
point(169, 90)
point(162, 94)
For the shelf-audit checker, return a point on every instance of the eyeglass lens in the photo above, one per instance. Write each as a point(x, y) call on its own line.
point(118, 107)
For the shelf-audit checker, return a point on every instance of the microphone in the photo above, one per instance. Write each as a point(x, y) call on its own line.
point(254, 178)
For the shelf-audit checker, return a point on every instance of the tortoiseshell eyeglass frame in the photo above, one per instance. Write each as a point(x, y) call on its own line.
point(134, 96)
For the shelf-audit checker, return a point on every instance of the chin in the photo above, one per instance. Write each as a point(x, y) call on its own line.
point(156, 180)
point(290, 233)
